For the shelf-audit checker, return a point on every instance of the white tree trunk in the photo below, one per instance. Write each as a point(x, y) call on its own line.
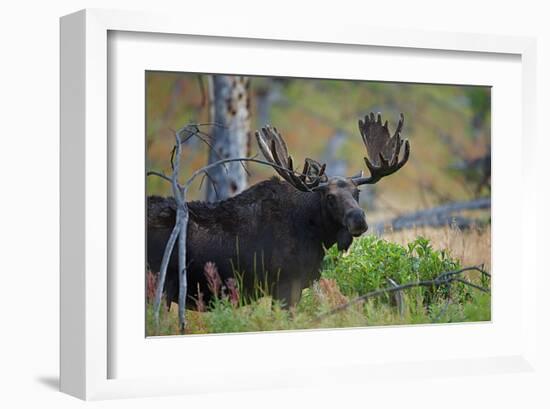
point(230, 140)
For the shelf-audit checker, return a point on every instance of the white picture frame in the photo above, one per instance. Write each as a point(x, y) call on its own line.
point(87, 351)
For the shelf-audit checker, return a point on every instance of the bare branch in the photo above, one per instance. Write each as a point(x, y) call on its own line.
point(210, 124)
point(220, 162)
point(180, 232)
point(172, 158)
point(214, 184)
point(219, 156)
point(477, 287)
point(159, 174)
point(479, 269)
point(204, 169)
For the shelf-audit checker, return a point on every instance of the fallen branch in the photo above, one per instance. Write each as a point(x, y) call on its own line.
point(435, 217)
point(445, 279)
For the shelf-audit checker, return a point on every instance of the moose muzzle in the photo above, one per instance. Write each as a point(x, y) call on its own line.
point(355, 221)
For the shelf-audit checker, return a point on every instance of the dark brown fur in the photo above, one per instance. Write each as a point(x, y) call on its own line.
point(271, 234)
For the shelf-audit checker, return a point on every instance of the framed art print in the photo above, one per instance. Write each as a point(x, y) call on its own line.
point(243, 208)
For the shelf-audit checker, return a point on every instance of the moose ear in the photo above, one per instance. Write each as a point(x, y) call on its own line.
point(343, 239)
point(358, 175)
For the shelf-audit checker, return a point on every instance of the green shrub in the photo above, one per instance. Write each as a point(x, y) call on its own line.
point(371, 262)
point(368, 265)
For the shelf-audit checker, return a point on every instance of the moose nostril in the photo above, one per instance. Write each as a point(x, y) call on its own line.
point(356, 222)
point(362, 222)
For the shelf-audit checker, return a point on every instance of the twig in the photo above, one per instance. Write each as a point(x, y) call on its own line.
point(478, 287)
point(214, 184)
point(210, 123)
point(479, 269)
point(172, 153)
point(218, 154)
point(193, 130)
point(159, 174)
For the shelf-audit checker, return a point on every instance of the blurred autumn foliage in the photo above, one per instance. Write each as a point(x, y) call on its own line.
point(447, 125)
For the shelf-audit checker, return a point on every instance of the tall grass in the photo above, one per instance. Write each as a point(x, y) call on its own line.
point(368, 265)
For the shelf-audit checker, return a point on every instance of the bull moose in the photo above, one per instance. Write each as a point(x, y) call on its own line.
point(276, 231)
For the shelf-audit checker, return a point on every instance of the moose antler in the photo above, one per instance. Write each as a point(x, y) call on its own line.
point(382, 150)
point(275, 151)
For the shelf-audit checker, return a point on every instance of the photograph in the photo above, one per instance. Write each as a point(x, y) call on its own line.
point(237, 204)
point(282, 203)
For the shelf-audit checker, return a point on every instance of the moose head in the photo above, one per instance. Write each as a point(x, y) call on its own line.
point(340, 195)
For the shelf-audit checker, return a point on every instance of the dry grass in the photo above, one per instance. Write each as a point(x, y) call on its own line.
point(471, 247)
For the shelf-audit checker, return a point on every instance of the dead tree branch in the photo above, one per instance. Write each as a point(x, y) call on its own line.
point(179, 232)
point(444, 279)
point(443, 215)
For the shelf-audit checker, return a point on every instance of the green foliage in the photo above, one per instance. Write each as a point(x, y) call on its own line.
point(260, 315)
point(372, 262)
point(168, 321)
point(367, 266)
point(479, 309)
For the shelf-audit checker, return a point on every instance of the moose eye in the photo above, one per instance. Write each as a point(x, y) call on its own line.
point(331, 198)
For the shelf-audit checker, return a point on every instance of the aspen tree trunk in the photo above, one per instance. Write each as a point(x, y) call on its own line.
point(231, 110)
